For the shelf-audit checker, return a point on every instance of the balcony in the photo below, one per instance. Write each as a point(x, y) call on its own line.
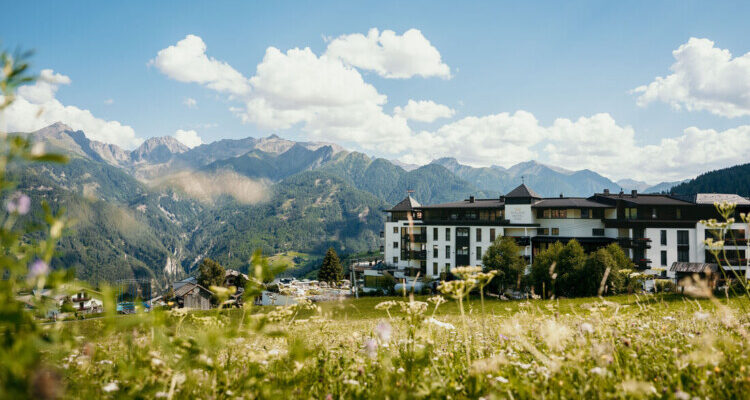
point(735, 242)
point(642, 262)
point(414, 255)
point(420, 237)
point(628, 243)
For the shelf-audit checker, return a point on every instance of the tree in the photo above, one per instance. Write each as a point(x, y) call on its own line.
point(620, 258)
point(210, 274)
point(590, 277)
point(169, 296)
point(331, 270)
point(560, 281)
point(503, 256)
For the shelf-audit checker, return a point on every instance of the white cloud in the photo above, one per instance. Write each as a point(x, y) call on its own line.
point(329, 99)
point(109, 101)
point(703, 77)
point(190, 102)
point(390, 55)
point(187, 62)
point(424, 111)
point(189, 138)
point(36, 107)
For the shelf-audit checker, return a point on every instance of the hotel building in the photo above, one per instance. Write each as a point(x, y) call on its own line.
point(661, 233)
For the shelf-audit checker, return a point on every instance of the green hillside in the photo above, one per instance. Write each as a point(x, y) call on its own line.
point(728, 180)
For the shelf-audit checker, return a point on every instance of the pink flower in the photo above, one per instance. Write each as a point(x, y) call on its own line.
point(18, 203)
point(371, 348)
point(383, 331)
point(38, 268)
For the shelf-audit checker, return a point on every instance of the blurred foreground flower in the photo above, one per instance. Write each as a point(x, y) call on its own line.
point(18, 203)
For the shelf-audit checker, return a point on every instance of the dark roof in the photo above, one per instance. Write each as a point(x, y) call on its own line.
point(694, 268)
point(647, 199)
point(406, 204)
point(478, 203)
point(184, 289)
point(523, 191)
point(569, 202)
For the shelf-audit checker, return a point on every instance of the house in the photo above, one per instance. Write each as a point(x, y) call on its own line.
point(655, 230)
point(84, 302)
point(193, 295)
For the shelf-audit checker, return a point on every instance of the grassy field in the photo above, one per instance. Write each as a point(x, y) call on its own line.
point(664, 346)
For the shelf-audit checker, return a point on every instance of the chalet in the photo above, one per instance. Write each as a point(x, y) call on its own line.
point(193, 295)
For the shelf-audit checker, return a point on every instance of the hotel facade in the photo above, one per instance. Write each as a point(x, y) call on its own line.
point(662, 234)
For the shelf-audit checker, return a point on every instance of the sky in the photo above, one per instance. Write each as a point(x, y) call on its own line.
point(654, 91)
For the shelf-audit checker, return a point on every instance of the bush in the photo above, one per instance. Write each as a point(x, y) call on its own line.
point(664, 285)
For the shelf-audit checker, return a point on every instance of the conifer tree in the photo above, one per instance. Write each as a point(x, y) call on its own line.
point(331, 270)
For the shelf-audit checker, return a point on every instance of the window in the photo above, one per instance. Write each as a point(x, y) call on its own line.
point(683, 254)
point(558, 213)
point(462, 232)
point(683, 238)
point(435, 251)
point(597, 232)
point(631, 213)
point(492, 234)
point(447, 252)
point(585, 213)
point(395, 260)
point(678, 213)
point(542, 231)
point(434, 233)
point(447, 233)
point(663, 237)
point(479, 234)
point(447, 267)
point(555, 231)
point(434, 269)
point(395, 229)
point(654, 215)
point(462, 251)
point(479, 252)
point(395, 245)
point(663, 257)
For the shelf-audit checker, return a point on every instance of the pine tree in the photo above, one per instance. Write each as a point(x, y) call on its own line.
point(211, 273)
point(331, 270)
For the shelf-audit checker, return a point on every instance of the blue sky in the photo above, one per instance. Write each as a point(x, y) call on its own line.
point(548, 60)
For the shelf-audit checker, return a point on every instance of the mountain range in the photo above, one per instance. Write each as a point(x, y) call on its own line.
point(155, 211)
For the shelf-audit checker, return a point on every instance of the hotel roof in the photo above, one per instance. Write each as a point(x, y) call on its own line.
point(523, 191)
point(477, 203)
point(573, 202)
point(406, 204)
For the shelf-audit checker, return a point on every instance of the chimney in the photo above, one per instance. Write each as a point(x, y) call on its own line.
point(471, 199)
point(606, 191)
point(621, 193)
point(561, 196)
point(634, 193)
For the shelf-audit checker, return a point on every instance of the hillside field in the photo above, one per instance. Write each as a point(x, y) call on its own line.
point(652, 346)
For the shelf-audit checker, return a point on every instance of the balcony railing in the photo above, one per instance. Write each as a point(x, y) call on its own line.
point(643, 262)
point(629, 243)
point(420, 237)
point(414, 255)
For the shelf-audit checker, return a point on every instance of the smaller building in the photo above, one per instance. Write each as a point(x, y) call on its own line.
point(84, 302)
point(193, 295)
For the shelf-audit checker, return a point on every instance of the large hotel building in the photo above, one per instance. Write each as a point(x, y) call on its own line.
point(661, 233)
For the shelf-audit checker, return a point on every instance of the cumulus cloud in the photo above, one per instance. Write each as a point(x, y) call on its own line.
point(703, 77)
point(190, 102)
point(390, 55)
point(187, 62)
point(424, 111)
point(331, 100)
point(189, 138)
point(35, 107)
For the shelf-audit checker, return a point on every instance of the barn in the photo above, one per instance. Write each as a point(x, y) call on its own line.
point(193, 295)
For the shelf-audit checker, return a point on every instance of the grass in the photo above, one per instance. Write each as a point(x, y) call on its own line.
point(664, 346)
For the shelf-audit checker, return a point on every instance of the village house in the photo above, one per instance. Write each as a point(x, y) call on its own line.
point(193, 295)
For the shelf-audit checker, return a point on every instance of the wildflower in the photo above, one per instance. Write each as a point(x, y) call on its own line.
point(587, 327)
point(383, 331)
point(400, 370)
point(598, 371)
point(352, 382)
point(638, 388)
point(699, 315)
point(554, 334)
point(437, 300)
point(111, 387)
point(38, 268)
point(18, 203)
point(371, 348)
point(444, 325)
point(501, 379)
point(680, 395)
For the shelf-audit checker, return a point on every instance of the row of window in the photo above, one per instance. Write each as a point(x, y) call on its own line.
point(585, 213)
point(683, 237)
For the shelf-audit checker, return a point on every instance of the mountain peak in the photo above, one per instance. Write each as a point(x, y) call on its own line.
point(159, 149)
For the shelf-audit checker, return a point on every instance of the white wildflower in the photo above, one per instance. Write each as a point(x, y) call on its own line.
point(111, 387)
point(444, 325)
point(501, 379)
